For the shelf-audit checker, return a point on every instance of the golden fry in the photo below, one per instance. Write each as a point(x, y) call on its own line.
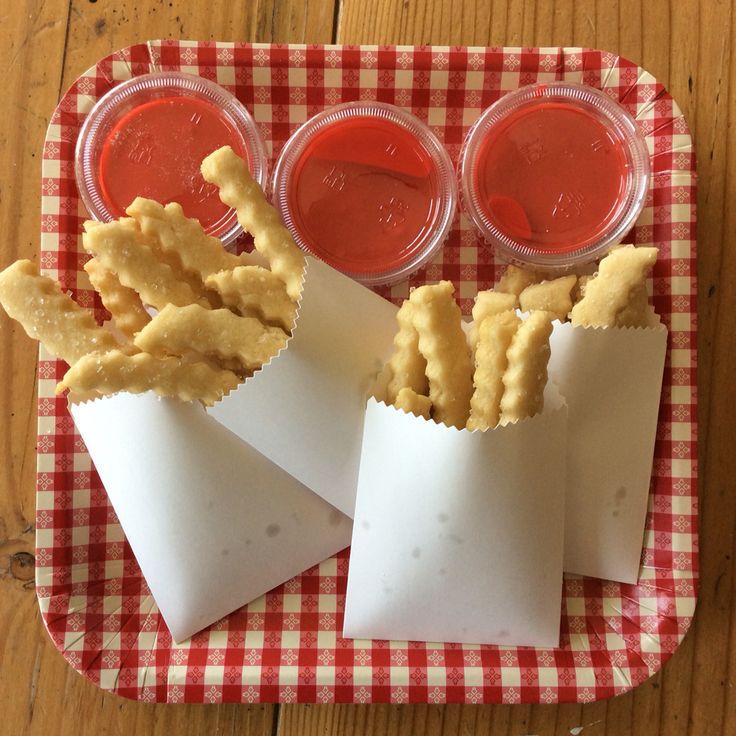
point(230, 174)
point(494, 339)
point(104, 374)
point(50, 316)
point(514, 280)
point(488, 303)
point(122, 248)
point(124, 304)
point(436, 317)
point(255, 291)
point(579, 291)
point(211, 332)
point(526, 375)
point(411, 402)
point(608, 296)
point(199, 254)
point(549, 296)
point(407, 364)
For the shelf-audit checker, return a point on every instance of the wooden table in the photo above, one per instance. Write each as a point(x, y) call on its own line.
point(46, 44)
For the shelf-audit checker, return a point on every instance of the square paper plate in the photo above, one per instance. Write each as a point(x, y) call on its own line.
point(286, 645)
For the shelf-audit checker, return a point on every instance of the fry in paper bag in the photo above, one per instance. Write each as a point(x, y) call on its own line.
point(104, 374)
point(216, 333)
point(411, 402)
point(407, 364)
point(255, 291)
point(494, 339)
point(614, 297)
point(271, 238)
point(122, 248)
point(124, 304)
point(549, 296)
point(487, 303)
point(526, 374)
point(436, 318)
point(514, 280)
point(48, 315)
point(180, 236)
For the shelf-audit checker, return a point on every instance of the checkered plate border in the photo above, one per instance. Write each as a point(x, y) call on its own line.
point(286, 645)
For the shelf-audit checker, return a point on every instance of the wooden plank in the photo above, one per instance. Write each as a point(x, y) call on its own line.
point(32, 31)
point(714, 625)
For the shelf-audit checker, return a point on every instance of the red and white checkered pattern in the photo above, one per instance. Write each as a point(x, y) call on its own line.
point(286, 645)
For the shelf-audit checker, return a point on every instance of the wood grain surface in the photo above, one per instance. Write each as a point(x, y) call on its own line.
point(687, 45)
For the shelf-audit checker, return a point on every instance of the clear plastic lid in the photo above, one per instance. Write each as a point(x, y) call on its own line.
point(367, 188)
point(554, 174)
point(147, 137)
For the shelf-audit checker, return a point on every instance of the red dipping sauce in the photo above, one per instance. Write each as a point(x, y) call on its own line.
point(369, 193)
point(553, 174)
point(147, 137)
point(156, 150)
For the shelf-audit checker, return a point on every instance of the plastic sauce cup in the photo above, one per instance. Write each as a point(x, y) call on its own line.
point(147, 137)
point(367, 188)
point(554, 174)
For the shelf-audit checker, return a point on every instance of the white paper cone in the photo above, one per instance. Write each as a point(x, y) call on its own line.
point(212, 523)
point(457, 535)
point(305, 409)
point(611, 380)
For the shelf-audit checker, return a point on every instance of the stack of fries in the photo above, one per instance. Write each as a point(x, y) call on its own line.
point(189, 320)
point(497, 375)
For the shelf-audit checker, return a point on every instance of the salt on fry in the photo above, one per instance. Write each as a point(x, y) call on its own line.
point(526, 375)
point(494, 339)
point(124, 304)
point(549, 296)
point(488, 303)
point(514, 280)
point(48, 315)
point(178, 235)
point(436, 318)
point(238, 190)
point(407, 364)
point(104, 374)
point(411, 402)
point(211, 332)
point(255, 291)
point(621, 275)
point(122, 248)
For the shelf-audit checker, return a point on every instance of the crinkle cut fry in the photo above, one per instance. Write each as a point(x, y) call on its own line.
point(122, 248)
point(442, 342)
point(514, 280)
point(410, 402)
point(526, 375)
point(486, 304)
point(621, 275)
point(199, 253)
point(494, 338)
point(407, 364)
point(253, 290)
point(229, 173)
point(124, 304)
point(48, 315)
point(553, 296)
point(105, 374)
point(211, 332)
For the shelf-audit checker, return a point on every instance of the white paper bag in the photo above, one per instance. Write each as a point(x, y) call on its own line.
point(212, 522)
point(304, 410)
point(458, 535)
point(611, 380)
